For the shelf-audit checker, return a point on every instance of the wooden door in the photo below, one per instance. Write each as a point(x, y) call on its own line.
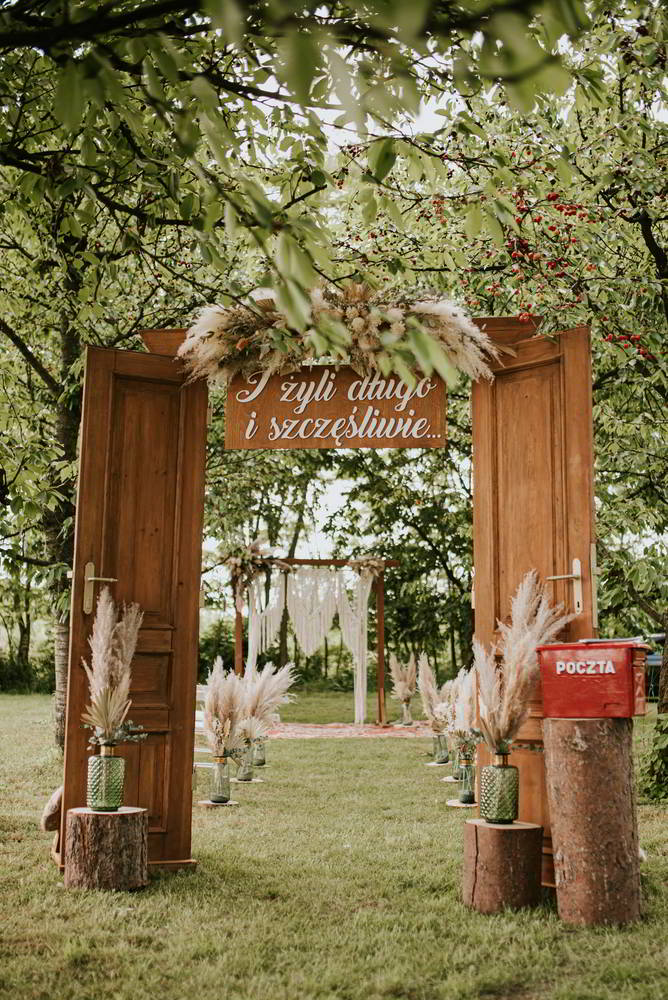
point(533, 504)
point(139, 521)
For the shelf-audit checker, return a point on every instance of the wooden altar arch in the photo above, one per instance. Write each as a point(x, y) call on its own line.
point(139, 521)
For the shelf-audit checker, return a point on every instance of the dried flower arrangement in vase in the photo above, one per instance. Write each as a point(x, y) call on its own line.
point(464, 733)
point(505, 691)
point(223, 709)
point(435, 704)
point(112, 643)
point(403, 685)
point(263, 693)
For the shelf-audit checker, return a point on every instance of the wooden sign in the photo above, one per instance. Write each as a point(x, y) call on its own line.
point(327, 407)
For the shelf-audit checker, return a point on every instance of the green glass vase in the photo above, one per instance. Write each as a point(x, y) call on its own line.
point(105, 781)
point(499, 791)
point(440, 749)
point(466, 780)
point(260, 753)
point(245, 772)
point(220, 780)
point(455, 762)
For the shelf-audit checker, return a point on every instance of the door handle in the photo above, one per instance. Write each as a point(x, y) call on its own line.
point(576, 577)
point(89, 585)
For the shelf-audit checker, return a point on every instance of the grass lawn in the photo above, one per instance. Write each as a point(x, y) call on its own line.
point(339, 877)
point(339, 706)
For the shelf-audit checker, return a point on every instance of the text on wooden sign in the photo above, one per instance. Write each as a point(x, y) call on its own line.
point(327, 407)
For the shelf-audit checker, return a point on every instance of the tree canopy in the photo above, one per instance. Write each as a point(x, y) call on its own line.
point(158, 156)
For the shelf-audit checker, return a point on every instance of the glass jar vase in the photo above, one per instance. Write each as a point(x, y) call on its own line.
point(220, 780)
point(466, 780)
point(245, 772)
point(260, 753)
point(499, 791)
point(105, 781)
point(440, 749)
point(406, 716)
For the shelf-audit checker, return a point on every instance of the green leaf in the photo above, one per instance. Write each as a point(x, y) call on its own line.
point(68, 103)
point(381, 157)
point(473, 220)
point(301, 60)
point(494, 228)
point(227, 15)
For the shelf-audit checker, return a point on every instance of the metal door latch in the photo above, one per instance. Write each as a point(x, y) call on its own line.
point(89, 585)
point(576, 577)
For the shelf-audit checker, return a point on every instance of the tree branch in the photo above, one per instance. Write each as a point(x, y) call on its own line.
point(31, 358)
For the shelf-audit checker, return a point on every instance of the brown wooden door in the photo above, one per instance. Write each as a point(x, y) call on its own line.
point(533, 503)
point(139, 521)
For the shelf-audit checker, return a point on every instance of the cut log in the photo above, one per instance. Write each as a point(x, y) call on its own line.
point(502, 865)
point(106, 850)
point(590, 787)
point(51, 815)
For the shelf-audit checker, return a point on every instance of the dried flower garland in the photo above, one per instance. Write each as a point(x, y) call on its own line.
point(361, 321)
point(245, 563)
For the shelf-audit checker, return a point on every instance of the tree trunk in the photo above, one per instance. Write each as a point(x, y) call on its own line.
point(106, 850)
point(326, 657)
point(502, 865)
point(662, 707)
point(589, 772)
point(60, 540)
point(61, 648)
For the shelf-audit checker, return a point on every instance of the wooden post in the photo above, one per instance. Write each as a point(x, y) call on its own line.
point(106, 850)
point(589, 768)
point(238, 643)
point(502, 865)
point(380, 640)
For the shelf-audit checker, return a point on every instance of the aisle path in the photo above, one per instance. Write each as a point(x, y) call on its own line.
point(338, 730)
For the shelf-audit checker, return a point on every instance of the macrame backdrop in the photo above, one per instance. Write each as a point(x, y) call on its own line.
point(313, 595)
point(263, 622)
point(354, 628)
point(311, 602)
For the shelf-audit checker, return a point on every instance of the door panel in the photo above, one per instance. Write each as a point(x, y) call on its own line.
point(139, 520)
point(533, 503)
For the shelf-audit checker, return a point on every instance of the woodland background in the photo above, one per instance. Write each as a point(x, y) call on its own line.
point(155, 157)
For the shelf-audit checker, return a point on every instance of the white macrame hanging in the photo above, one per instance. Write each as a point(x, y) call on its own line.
point(311, 600)
point(263, 622)
point(354, 627)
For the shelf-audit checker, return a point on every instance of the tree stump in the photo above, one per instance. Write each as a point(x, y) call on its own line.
point(106, 850)
point(589, 772)
point(502, 865)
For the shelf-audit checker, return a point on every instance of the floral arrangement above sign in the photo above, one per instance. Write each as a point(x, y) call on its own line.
point(361, 322)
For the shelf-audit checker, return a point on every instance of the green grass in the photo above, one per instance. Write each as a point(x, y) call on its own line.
point(337, 878)
point(339, 706)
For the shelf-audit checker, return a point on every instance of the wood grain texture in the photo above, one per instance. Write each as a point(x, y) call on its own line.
point(533, 503)
point(502, 865)
point(594, 834)
point(326, 407)
point(139, 520)
point(106, 850)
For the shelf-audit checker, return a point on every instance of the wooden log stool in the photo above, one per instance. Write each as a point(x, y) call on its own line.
point(590, 789)
point(502, 865)
point(106, 850)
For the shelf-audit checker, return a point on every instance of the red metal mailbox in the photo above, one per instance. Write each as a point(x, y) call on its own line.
point(593, 680)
